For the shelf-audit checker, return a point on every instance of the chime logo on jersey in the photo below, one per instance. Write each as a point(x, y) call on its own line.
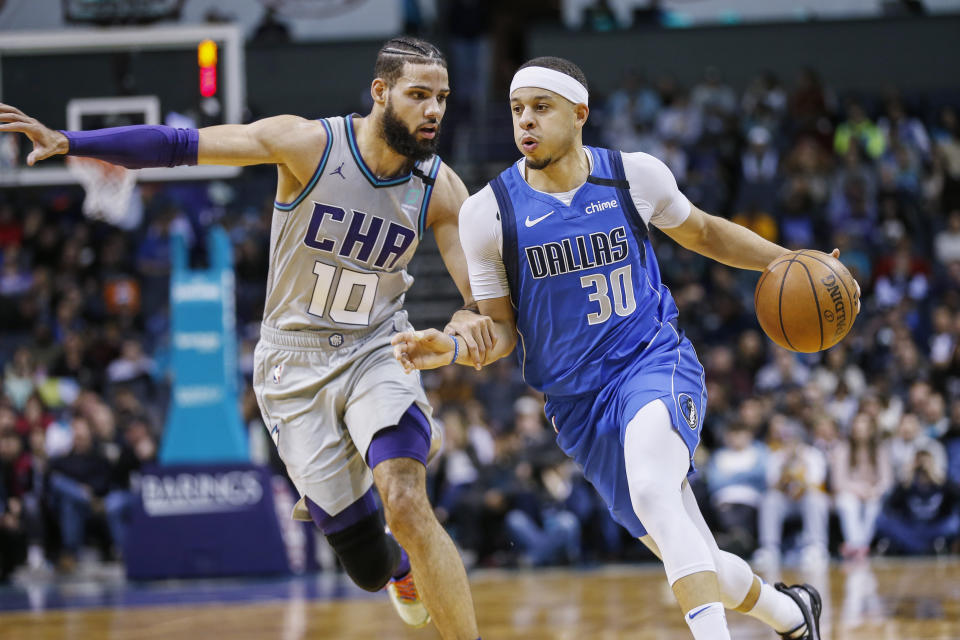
point(596, 207)
point(578, 253)
point(688, 409)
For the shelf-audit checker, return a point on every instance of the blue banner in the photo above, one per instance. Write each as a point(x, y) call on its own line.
point(221, 520)
point(203, 423)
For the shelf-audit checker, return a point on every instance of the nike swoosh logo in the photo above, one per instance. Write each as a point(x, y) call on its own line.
point(694, 614)
point(530, 222)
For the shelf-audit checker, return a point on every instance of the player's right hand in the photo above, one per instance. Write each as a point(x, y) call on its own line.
point(46, 142)
point(427, 349)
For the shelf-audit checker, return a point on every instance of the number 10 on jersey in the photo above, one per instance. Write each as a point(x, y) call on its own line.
point(352, 299)
point(621, 286)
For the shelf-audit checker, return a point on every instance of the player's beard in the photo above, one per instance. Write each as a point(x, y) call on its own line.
point(399, 138)
point(538, 165)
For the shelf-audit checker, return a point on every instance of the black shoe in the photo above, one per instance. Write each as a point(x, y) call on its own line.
point(811, 606)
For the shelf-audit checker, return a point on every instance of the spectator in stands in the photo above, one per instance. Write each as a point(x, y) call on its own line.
point(900, 278)
point(784, 372)
point(78, 483)
point(933, 416)
point(764, 93)
point(132, 369)
point(860, 474)
point(760, 162)
point(921, 515)
point(634, 101)
point(951, 443)
point(546, 531)
point(898, 127)
point(858, 128)
point(947, 149)
point(886, 410)
point(755, 218)
point(908, 440)
point(679, 120)
point(458, 471)
point(809, 103)
point(947, 241)
point(19, 377)
point(16, 485)
point(836, 366)
point(796, 485)
point(34, 416)
point(824, 433)
point(736, 482)
point(15, 278)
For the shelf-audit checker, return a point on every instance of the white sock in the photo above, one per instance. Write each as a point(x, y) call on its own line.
point(776, 609)
point(708, 622)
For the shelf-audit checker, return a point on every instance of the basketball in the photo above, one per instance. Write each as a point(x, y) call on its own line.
point(806, 301)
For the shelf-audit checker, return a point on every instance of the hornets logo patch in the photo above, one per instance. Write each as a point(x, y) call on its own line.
point(688, 409)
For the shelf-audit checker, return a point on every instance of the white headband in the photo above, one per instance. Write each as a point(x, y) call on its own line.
point(550, 79)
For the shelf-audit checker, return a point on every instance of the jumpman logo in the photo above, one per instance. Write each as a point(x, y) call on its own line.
point(338, 171)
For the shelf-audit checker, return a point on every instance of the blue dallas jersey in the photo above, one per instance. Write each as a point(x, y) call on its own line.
point(583, 278)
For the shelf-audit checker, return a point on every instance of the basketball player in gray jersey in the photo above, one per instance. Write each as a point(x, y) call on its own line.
point(354, 197)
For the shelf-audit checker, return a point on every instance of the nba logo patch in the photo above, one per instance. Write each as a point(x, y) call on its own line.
point(688, 409)
point(277, 372)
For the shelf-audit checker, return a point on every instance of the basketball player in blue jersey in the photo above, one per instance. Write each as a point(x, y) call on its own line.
point(558, 253)
point(354, 197)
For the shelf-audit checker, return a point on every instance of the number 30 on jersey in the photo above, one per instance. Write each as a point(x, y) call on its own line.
point(620, 289)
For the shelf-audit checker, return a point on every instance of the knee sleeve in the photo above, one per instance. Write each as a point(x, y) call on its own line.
point(367, 553)
point(657, 461)
point(733, 573)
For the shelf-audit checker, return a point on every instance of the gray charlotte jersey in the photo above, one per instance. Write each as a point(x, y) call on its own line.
point(339, 252)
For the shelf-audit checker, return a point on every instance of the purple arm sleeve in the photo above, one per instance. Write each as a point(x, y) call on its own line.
point(138, 146)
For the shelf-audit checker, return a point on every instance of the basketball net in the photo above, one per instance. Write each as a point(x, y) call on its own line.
point(110, 191)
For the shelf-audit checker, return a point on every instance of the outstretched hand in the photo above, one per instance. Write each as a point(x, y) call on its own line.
point(427, 349)
point(836, 254)
point(46, 141)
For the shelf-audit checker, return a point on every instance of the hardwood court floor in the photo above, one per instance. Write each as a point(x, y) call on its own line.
point(885, 600)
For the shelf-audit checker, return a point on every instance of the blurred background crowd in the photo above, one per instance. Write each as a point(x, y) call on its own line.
point(844, 453)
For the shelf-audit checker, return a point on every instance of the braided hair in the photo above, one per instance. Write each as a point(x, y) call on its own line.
point(397, 51)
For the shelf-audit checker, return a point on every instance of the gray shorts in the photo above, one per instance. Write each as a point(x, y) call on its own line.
point(322, 406)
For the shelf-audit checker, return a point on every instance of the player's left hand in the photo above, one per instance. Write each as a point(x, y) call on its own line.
point(427, 349)
point(836, 254)
point(476, 331)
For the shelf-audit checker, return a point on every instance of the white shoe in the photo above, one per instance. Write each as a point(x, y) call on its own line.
point(406, 600)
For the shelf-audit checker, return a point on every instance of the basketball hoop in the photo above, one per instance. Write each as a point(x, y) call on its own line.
point(110, 191)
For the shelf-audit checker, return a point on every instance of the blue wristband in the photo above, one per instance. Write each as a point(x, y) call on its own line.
point(456, 349)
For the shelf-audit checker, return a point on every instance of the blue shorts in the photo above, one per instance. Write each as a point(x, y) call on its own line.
point(590, 427)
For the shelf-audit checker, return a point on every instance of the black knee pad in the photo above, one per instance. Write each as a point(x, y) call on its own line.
point(367, 553)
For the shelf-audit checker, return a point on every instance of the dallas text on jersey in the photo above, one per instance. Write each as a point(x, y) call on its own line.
point(578, 253)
